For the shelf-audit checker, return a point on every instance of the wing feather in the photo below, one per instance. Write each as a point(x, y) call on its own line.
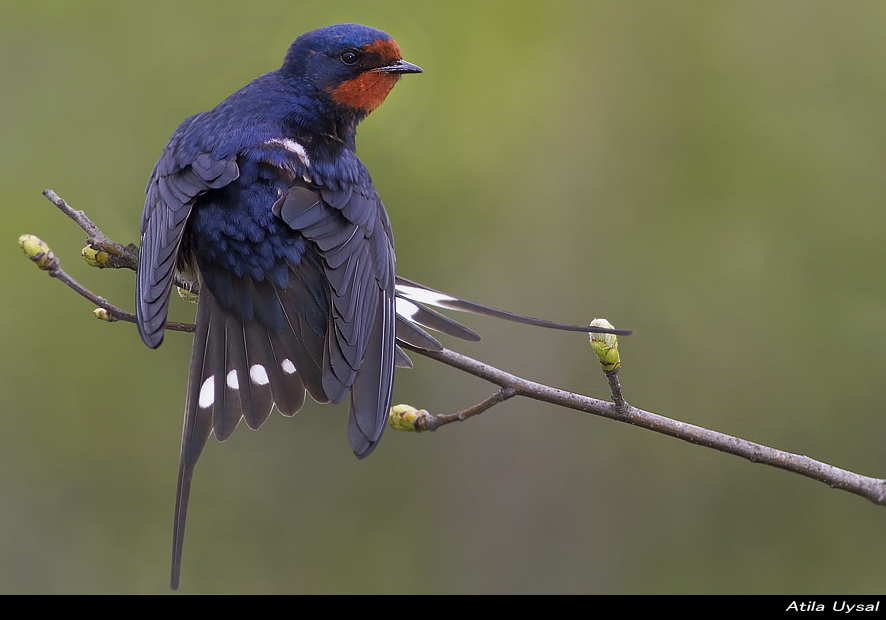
point(358, 261)
point(170, 196)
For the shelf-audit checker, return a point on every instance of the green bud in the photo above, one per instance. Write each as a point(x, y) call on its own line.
point(605, 345)
point(103, 315)
point(187, 295)
point(94, 258)
point(35, 249)
point(403, 417)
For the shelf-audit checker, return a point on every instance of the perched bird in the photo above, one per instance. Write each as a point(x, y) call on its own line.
point(262, 205)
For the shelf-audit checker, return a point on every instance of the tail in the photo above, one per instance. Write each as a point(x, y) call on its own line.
point(239, 370)
point(413, 314)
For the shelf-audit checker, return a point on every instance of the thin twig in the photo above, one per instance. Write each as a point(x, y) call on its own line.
point(116, 314)
point(119, 256)
point(615, 387)
point(433, 422)
point(78, 216)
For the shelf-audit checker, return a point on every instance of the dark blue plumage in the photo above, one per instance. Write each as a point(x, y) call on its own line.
point(262, 205)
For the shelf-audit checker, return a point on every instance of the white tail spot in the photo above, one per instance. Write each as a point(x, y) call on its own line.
point(405, 308)
point(232, 380)
point(424, 296)
point(287, 366)
point(258, 374)
point(207, 393)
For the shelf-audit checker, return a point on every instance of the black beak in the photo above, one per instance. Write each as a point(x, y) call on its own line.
point(401, 66)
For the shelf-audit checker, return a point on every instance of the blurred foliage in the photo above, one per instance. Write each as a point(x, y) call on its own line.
point(709, 174)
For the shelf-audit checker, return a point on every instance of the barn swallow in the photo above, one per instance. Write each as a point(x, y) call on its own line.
point(262, 206)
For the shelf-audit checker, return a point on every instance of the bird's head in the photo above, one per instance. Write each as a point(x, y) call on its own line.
point(351, 67)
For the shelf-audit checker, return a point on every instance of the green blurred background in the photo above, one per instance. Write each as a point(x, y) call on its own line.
point(709, 174)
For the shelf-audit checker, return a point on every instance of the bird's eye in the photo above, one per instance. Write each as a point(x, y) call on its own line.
point(350, 57)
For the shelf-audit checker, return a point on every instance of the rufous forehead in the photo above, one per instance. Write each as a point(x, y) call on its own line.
point(386, 48)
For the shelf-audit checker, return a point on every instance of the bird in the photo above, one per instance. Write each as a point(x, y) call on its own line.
point(261, 206)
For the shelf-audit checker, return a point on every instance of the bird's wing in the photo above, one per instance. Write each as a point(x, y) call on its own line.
point(170, 196)
point(352, 235)
point(171, 192)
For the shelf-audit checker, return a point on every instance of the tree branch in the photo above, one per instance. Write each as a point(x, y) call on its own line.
point(872, 489)
point(407, 418)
